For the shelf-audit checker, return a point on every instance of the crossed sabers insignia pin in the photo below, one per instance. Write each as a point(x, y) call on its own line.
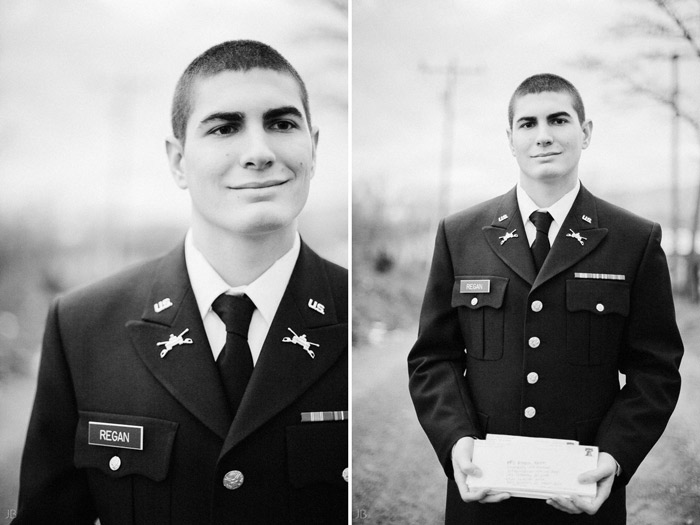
point(507, 236)
point(577, 236)
point(174, 340)
point(301, 341)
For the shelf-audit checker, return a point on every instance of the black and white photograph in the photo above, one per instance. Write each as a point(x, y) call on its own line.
point(173, 266)
point(486, 336)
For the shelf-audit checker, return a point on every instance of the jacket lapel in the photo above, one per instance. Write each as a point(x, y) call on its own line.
point(567, 250)
point(513, 251)
point(188, 371)
point(285, 370)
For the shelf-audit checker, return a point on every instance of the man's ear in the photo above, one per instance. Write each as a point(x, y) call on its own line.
point(509, 133)
point(176, 159)
point(314, 146)
point(587, 128)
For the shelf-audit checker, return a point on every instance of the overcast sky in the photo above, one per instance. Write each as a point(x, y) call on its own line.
point(85, 91)
point(397, 112)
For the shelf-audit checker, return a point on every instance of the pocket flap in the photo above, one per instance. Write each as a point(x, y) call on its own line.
point(151, 460)
point(598, 296)
point(477, 291)
point(317, 453)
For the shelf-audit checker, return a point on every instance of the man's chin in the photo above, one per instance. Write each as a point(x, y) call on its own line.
point(263, 224)
point(548, 176)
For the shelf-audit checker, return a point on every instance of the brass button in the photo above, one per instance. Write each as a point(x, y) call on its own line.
point(600, 307)
point(475, 301)
point(115, 463)
point(346, 474)
point(530, 412)
point(532, 378)
point(233, 479)
point(536, 306)
point(534, 342)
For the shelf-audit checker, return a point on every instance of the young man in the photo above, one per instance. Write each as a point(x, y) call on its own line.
point(154, 404)
point(537, 351)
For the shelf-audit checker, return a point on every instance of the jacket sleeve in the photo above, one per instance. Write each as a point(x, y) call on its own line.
point(437, 360)
point(52, 490)
point(650, 360)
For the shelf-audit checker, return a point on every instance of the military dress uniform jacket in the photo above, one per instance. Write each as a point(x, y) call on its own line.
point(539, 354)
point(101, 363)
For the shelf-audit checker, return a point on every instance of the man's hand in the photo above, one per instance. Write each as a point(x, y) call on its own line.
point(462, 453)
point(603, 476)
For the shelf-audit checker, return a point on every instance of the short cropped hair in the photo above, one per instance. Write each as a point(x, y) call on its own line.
point(234, 55)
point(547, 82)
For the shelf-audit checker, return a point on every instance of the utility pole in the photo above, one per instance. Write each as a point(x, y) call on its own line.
point(675, 200)
point(451, 73)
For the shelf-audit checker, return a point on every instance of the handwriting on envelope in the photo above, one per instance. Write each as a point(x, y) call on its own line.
point(533, 467)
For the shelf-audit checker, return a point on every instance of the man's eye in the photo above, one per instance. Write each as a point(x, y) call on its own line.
point(284, 125)
point(226, 129)
point(527, 125)
point(559, 121)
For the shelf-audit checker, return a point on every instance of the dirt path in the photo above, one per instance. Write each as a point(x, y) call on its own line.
point(16, 396)
point(397, 479)
point(396, 475)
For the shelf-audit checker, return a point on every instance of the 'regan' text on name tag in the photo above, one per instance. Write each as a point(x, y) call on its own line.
point(115, 435)
point(474, 286)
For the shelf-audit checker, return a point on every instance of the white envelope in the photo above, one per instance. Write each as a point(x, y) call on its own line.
point(533, 467)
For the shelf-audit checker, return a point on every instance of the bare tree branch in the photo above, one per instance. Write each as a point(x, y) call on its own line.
point(687, 34)
point(622, 74)
point(647, 26)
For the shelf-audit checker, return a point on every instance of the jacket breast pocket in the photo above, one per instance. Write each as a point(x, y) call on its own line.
point(127, 459)
point(317, 465)
point(479, 302)
point(596, 314)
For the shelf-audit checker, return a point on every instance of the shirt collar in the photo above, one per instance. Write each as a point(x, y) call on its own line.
point(266, 291)
point(559, 210)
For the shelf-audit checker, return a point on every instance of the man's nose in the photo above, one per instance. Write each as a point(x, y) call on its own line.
point(544, 136)
point(257, 153)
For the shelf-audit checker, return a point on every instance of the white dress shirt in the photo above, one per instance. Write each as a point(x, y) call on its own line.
point(266, 292)
point(559, 210)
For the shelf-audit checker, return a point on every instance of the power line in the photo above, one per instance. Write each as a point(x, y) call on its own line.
point(451, 72)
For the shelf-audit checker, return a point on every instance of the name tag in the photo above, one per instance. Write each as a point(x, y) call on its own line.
point(474, 286)
point(114, 435)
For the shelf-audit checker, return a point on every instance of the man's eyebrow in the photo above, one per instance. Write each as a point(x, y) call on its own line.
point(227, 116)
point(281, 112)
point(526, 119)
point(549, 117)
point(559, 114)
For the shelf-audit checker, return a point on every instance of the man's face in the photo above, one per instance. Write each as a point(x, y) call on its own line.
point(547, 138)
point(249, 155)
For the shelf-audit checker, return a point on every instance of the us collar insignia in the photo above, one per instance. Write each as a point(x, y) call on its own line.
point(162, 305)
point(174, 340)
point(315, 305)
point(577, 236)
point(301, 341)
point(587, 219)
point(502, 218)
point(507, 236)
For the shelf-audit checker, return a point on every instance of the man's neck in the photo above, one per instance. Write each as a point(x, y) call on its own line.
point(240, 259)
point(546, 193)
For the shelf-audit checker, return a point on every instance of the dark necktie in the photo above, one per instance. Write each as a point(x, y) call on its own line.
point(235, 361)
point(540, 248)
